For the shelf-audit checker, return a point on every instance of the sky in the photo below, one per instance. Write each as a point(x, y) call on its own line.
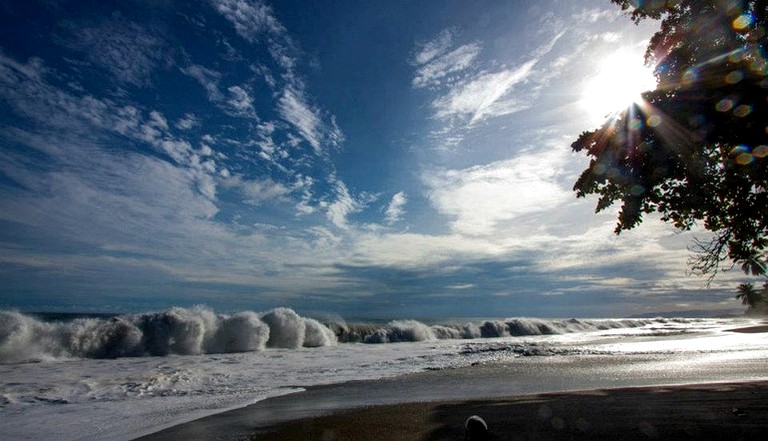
point(367, 159)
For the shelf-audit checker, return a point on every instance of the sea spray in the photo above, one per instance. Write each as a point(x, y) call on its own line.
point(183, 331)
point(491, 329)
point(176, 331)
point(199, 330)
point(400, 331)
point(316, 334)
point(287, 329)
point(241, 332)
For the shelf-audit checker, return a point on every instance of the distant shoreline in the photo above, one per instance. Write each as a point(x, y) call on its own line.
point(751, 329)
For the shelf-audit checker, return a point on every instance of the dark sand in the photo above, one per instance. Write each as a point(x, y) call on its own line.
point(751, 329)
point(346, 410)
point(727, 411)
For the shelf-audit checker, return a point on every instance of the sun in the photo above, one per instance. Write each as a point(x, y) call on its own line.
point(617, 82)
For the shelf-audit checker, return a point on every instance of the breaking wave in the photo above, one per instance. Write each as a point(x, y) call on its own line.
point(185, 331)
point(411, 330)
point(198, 330)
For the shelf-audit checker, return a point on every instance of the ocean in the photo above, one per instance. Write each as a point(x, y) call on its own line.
point(122, 377)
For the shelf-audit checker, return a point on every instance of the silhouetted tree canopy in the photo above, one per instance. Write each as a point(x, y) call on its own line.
point(749, 295)
point(696, 149)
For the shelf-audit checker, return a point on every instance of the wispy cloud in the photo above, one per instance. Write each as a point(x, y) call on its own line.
point(427, 51)
point(294, 110)
point(251, 18)
point(434, 66)
point(257, 191)
point(207, 78)
point(25, 87)
point(125, 49)
point(187, 122)
point(484, 96)
point(240, 102)
point(396, 208)
point(343, 204)
point(468, 90)
point(160, 210)
point(593, 15)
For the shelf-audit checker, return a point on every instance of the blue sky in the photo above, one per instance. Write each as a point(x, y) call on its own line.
point(380, 159)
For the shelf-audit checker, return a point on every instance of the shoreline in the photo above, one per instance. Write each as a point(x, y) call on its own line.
point(694, 411)
point(756, 329)
point(329, 412)
point(577, 374)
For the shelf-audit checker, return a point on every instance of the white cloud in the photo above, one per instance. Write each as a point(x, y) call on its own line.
point(298, 113)
point(207, 78)
point(595, 15)
point(342, 206)
point(412, 250)
point(156, 119)
point(481, 198)
point(238, 101)
point(186, 122)
point(482, 96)
point(470, 91)
point(610, 37)
point(395, 209)
point(435, 71)
point(241, 102)
point(250, 18)
point(427, 51)
point(257, 191)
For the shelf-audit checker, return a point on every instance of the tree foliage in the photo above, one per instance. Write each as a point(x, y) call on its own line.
point(694, 150)
point(750, 296)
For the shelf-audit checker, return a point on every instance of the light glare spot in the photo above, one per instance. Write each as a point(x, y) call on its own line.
point(689, 76)
point(744, 159)
point(734, 77)
point(739, 149)
point(619, 80)
point(742, 111)
point(742, 21)
point(724, 105)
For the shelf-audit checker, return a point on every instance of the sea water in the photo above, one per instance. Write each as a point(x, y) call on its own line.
point(117, 378)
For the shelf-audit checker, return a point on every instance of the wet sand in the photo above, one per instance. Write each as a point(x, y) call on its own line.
point(514, 398)
point(732, 411)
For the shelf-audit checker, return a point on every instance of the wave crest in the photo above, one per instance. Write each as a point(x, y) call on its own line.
point(198, 330)
point(183, 331)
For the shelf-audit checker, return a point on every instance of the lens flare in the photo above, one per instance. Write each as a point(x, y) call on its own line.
point(618, 81)
point(742, 22)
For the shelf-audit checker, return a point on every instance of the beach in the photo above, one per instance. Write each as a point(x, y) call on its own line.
point(733, 411)
point(642, 396)
point(729, 410)
point(431, 384)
